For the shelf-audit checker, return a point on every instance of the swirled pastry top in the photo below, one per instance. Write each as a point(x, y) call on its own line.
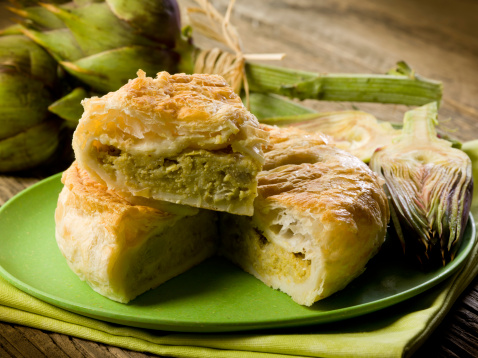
point(169, 114)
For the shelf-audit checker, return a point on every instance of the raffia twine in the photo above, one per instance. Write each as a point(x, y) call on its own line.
point(230, 64)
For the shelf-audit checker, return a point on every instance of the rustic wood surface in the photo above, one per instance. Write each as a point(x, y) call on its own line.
point(438, 38)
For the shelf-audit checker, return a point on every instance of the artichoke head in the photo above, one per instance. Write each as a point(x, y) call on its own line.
point(104, 43)
point(101, 44)
point(429, 185)
point(28, 131)
point(28, 75)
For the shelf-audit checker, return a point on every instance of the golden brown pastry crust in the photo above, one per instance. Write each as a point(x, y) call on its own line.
point(95, 198)
point(316, 204)
point(152, 120)
point(200, 105)
point(317, 177)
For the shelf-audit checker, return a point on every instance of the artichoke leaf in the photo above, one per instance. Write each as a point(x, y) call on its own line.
point(267, 106)
point(109, 70)
point(155, 19)
point(25, 57)
point(429, 184)
point(60, 43)
point(24, 103)
point(97, 29)
point(69, 107)
point(12, 30)
point(29, 148)
point(39, 16)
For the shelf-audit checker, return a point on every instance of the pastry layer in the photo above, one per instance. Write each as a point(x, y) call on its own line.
point(120, 249)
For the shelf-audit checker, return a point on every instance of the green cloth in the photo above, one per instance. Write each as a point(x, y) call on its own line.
point(393, 332)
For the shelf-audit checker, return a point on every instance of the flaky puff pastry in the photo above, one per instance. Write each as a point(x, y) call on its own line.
point(120, 249)
point(185, 139)
point(320, 215)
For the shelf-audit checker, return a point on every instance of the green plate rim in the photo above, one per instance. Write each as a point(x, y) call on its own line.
point(188, 326)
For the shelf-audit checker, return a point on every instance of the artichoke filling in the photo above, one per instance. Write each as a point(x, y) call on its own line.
point(247, 247)
point(213, 176)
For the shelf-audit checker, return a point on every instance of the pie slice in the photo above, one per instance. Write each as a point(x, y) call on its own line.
point(185, 139)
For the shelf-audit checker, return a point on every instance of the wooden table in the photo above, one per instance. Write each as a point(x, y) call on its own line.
point(439, 39)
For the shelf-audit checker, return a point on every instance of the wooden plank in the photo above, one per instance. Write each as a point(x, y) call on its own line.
point(67, 345)
point(91, 349)
point(6, 348)
point(43, 342)
point(20, 346)
point(96, 350)
point(76, 348)
point(4, 353)
point(370, 36)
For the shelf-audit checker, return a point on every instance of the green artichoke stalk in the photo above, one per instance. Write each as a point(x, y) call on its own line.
point(400, 85)
point(430, 187)
point(28, 76)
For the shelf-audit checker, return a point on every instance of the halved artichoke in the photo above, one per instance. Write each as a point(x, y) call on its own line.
point(430, 187)
point(356, 132)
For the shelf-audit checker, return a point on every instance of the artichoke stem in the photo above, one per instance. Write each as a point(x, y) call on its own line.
point(398, 89)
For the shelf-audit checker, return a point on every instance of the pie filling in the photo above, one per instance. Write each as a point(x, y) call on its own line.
point(213, 176)
point(249, 248)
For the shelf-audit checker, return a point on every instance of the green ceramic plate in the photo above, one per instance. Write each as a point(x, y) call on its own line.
point(213, 297)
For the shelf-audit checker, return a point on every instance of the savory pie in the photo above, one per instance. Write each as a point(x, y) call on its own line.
point(320, 215)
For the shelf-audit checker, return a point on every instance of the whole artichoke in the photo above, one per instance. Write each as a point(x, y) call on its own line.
point(29, 134)
point(63, 52)
point(102, 44)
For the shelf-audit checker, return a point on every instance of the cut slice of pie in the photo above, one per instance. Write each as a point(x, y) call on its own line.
point(184, 139)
